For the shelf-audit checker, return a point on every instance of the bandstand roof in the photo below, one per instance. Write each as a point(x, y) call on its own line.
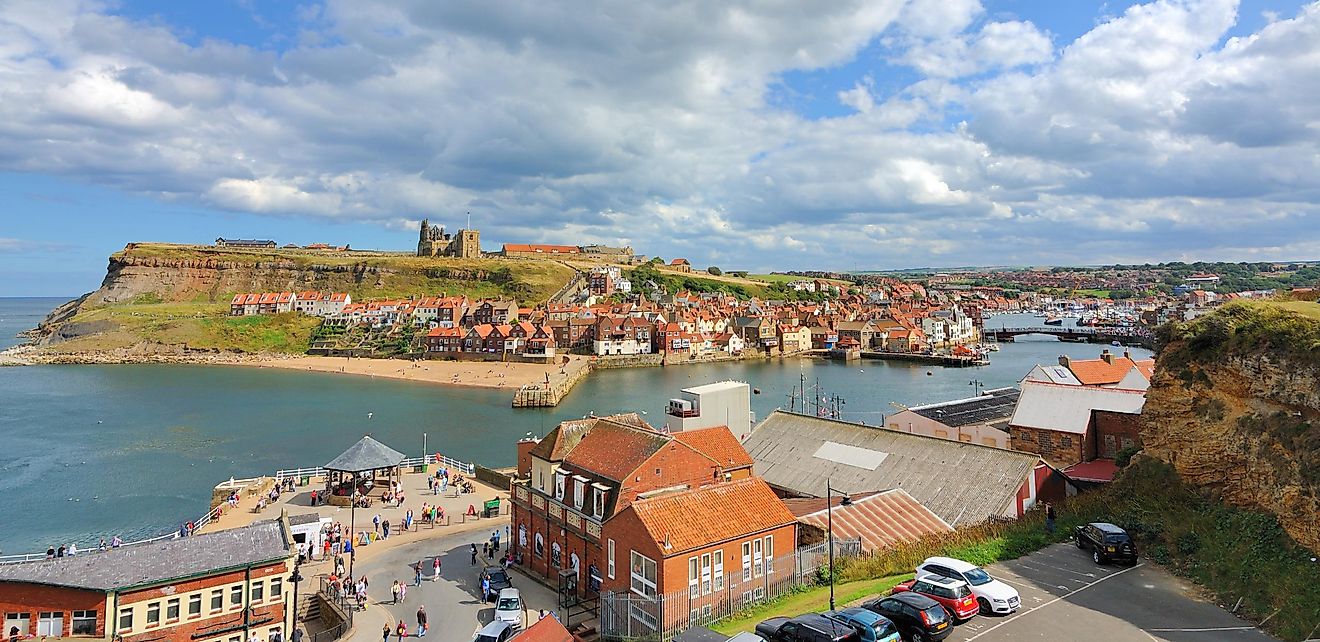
point(366, 454)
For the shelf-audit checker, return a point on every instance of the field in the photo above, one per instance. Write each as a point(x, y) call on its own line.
point(786, 278)
point(201, 326)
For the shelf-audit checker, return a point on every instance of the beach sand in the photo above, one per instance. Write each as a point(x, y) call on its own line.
point(479, 374)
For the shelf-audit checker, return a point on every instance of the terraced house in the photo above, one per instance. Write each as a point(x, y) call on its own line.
point(218, 587)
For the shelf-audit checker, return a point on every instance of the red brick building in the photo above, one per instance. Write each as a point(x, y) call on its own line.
point(1056, 421)
point(217, 587)
point(602, 497)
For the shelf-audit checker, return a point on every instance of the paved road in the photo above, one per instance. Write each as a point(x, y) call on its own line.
point(453, 605)
point(1067, 597)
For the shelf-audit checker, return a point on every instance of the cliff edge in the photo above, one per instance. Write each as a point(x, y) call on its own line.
point(1235, 408)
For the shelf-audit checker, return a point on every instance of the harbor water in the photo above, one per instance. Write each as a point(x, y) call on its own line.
point(134, 450)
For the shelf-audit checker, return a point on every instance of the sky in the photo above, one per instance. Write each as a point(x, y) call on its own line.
point(844, 135)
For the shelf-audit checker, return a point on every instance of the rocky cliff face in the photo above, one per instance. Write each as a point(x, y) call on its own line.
point(1235, 408)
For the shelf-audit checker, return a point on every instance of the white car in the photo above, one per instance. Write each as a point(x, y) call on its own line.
point(509, 608)
point(992, 595)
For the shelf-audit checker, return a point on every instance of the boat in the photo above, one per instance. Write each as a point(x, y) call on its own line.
point(1054, 321)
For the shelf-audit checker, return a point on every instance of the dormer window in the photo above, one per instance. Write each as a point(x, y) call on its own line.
point(579, 491)
point(559, 484)
point(598, 505)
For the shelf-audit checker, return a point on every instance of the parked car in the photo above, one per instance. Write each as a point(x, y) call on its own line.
point(499, 580)
point(1107, 542)
point(810, 627)
point(496, 631)
point(509, 608)
point(918, 618)
point(992, 595)
point(872, 626)
point(954, 595)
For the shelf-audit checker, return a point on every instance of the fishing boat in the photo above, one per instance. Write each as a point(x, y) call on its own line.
point(1053, 321)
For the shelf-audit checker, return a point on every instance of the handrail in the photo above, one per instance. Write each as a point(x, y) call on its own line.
point(467, 468)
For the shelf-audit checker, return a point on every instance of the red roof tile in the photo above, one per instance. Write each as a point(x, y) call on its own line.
point(613, 450)
point(1100, 470)
point(547, 629)
point(879, 519)
point(695, 519)
point(719, 444)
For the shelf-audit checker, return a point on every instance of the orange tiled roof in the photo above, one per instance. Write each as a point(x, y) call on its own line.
point(718, 443)
point(1098, 372)
point(614, 450)
point(695, 519)
point(547, 629)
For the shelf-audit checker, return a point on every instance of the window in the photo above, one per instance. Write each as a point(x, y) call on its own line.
point(153, 614)
point(84, 623)
point(643, 575)
point(559, 486)
point(126, 619)
point(705, 574)
point(579, 492)
point(236, 594)
point(217, 599)
point(258, 592)
point(758, 558)
point(719, 570)
point(20, 621)
point(747, 561)
point(600, 503)
point(609, 547)
point(694, 587)
point(276, 589)
point(556, 555)
point(50, 623)
point(769, 553)
point(540, 480)
point(172, 609)
point(195, 605)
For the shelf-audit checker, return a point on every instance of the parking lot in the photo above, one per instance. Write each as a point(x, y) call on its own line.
point(1067, 597)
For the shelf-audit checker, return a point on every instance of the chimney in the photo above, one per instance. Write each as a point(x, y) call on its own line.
point(1063, 360)
point(525, 447)
point(1127, 354)
point(1107, 356)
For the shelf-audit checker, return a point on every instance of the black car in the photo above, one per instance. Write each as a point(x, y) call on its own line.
point(918, 618)
point(1107, 543)
point(498, 580)
point(811, 627)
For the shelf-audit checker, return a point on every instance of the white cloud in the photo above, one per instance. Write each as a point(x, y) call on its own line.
point(653, 124)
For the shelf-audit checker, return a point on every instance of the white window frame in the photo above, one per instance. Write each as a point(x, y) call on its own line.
point(154, 607)
point(769, 554)
point(579, 492)
point(177, 604)
point(44, 621)
point(609, 546)
point(559, 485)
point(598, 503)
point(758, 558)
point(276, 589)
point(747, 561)
point(705, 574)
point(694, 585)
point(85, 617)
point(119, 621)
point(639, 561)
point(194, 599)
point(719, 570)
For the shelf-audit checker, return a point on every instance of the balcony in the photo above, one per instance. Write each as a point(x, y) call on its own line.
point(683, 413)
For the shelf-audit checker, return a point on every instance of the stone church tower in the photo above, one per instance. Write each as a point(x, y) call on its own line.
point(433, 241)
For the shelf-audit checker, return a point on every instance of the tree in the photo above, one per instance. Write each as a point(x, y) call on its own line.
point(714, 271)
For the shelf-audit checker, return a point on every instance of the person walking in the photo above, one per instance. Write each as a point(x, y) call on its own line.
point(474, 554)
point(375, 522)
point(417, 574)
point(485, 590)
point(421, 621)
point(385, 633)
point(1049, 517)
point(394, 591)
point(403, 592)
point(437, 567)
point(402, 629)
point(385, 527)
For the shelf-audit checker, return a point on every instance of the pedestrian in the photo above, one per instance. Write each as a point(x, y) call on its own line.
point(437, 567)
point(313, 498)
point(385, 528)
point(403, 592)
point(485, 549)
point(51, 553)
point(385, 633)
point(485, 590)
point(1049, 517)
point(59, 552)
point(421, 621)
point(375, 522)
point(417, 577)
point(402, 629)
point(394, 590)
point(297, 635)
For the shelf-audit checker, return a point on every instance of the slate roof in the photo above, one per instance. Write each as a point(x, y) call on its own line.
point(158, 562)
point(697, 518)
point(994, 405)
point(366, 454)
point(880, 520)
point(1065, 408)
point(717, 443)
point(960, 482)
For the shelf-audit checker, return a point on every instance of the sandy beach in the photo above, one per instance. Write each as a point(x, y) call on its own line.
point(510, 376)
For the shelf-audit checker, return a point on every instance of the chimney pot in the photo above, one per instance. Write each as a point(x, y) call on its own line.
point(1063, 360)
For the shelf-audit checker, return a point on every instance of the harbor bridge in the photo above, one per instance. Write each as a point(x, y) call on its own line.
point(1125, 336)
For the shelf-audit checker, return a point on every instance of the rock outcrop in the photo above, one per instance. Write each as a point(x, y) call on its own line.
point(1235, 408)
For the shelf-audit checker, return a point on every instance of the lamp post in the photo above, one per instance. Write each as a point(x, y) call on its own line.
point(976, 384)
point(423, 449)
point(295, 578)
point(829, 519)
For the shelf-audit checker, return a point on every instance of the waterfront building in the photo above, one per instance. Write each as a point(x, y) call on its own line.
point(1058, 422)
point(217, 587)
point(978, 420)
point(724, 403)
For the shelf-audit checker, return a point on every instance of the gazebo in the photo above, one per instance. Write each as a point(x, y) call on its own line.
point(354, 472)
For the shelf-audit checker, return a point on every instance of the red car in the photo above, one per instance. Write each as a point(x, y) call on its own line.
point(954, 595)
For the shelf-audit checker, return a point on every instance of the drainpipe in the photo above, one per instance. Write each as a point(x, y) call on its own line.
point(112, 620)
point(247, 602)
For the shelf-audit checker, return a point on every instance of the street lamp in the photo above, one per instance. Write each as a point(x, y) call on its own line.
point(976, 384)
point(295, 578)
point(829, 518)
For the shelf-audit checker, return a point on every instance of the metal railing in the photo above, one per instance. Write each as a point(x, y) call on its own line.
point(336, 596)
point(465, 468)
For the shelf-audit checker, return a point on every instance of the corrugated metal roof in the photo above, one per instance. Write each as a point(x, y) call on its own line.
point(1066, 408)
point(961, 482)
point(994, 405)
point(880, 520)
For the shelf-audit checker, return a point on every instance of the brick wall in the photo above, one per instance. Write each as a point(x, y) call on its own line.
point(265, 614)
point(1112, 432)
point(18, 597)
point(1060, 449)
